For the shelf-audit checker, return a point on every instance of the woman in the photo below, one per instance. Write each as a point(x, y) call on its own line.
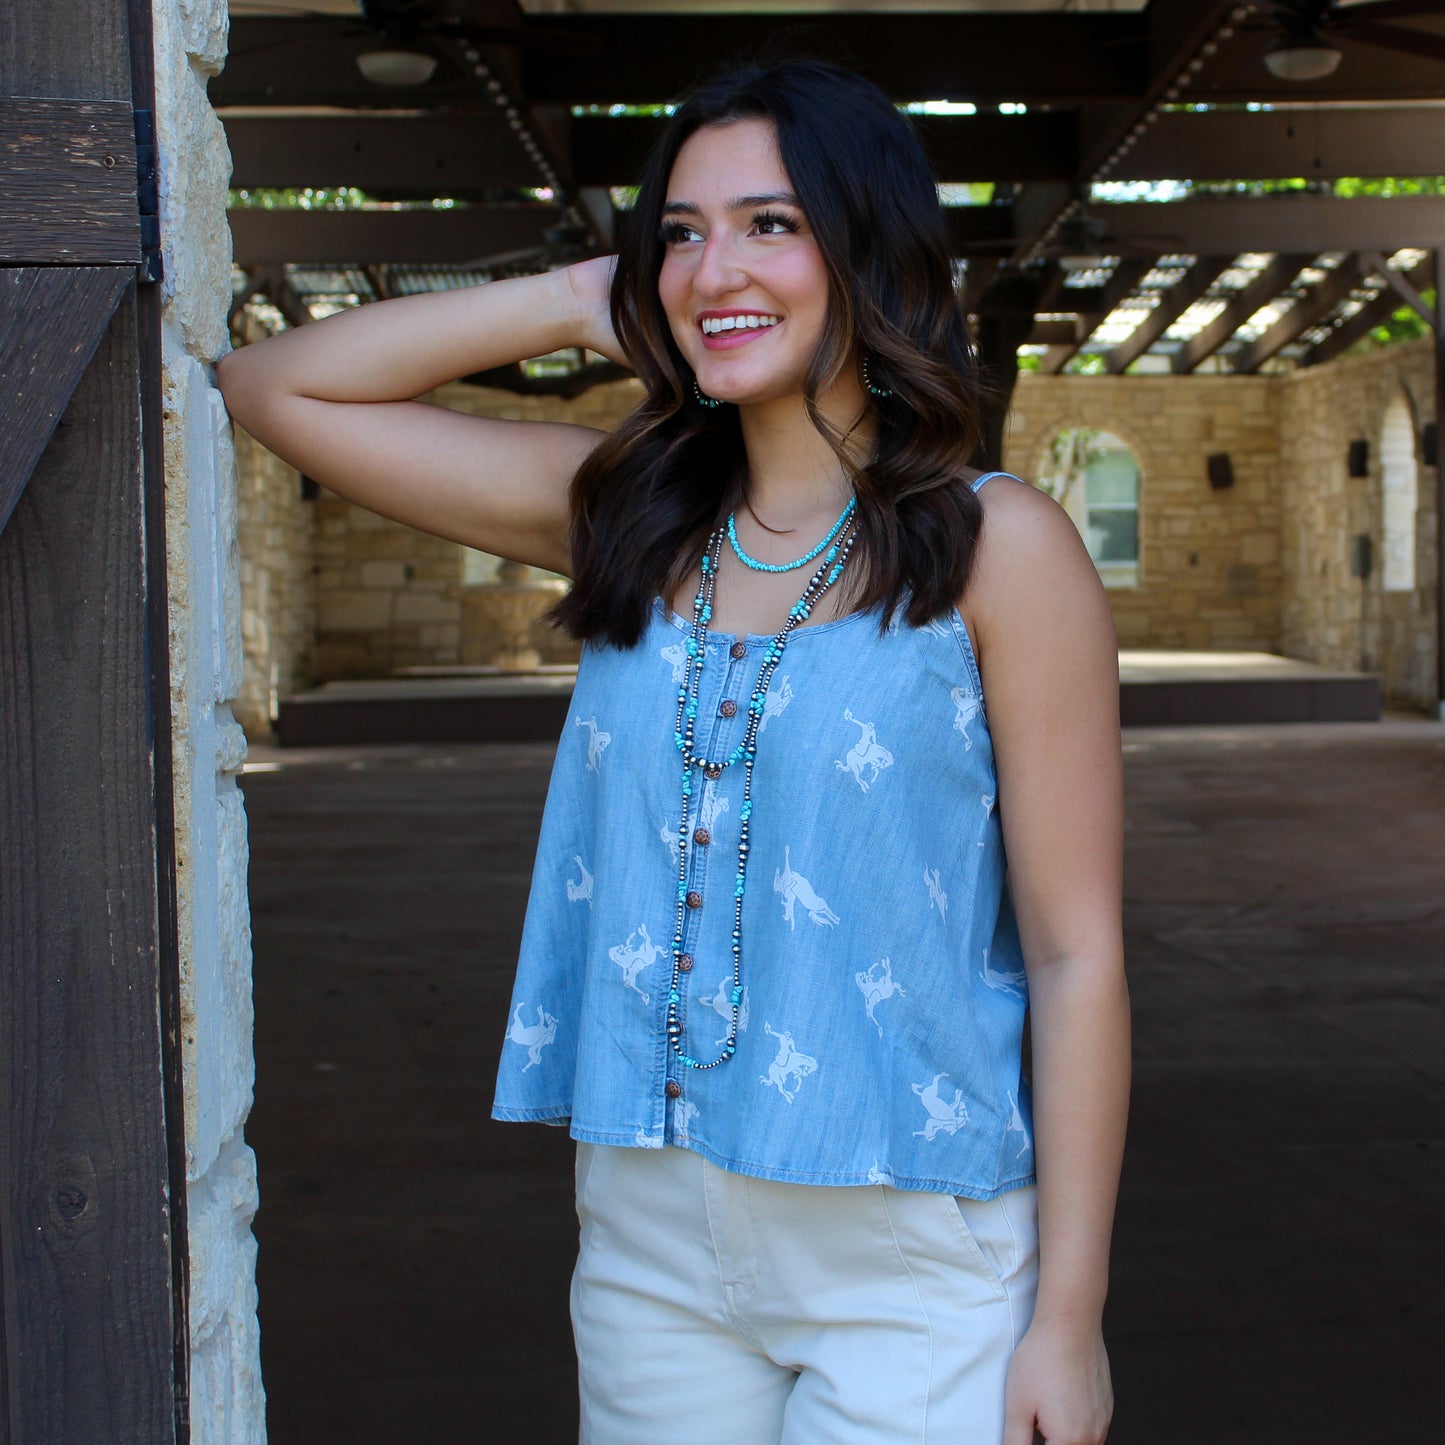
point(823, 654)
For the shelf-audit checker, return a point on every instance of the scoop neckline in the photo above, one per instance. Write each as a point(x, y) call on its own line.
point(758, 638)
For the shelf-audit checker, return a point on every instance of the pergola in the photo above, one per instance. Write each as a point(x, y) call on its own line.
point(1063, 125)
point(531, 122)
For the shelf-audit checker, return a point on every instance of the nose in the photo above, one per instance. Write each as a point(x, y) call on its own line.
point(718, 272)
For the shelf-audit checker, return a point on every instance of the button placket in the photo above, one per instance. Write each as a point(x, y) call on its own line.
point(725, 684)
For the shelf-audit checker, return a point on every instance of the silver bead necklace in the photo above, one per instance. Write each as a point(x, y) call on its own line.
point(827, 573)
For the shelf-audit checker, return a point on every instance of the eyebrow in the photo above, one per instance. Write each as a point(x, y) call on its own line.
point(738, 203)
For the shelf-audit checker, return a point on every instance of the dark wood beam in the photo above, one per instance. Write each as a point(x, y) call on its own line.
point(1309, 309)
point(609, 150)
point(1172, 305)
point(52, 319)
point(1354, 328)
point(1060, 58)
point(1379, 266)
point(1039, 59)
point(466, 235)
point(1213, 225)
point(1241, 306)
point(427, 155)
point(1122, 281)
point(68, 182)
point(1321, 143)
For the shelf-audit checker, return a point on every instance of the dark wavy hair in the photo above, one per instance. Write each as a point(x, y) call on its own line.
point(645, 500)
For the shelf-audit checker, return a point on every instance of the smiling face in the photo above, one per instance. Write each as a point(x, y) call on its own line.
point(743, 282)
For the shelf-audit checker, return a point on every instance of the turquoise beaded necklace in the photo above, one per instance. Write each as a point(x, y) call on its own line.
point(807, 557)
point(827, 573)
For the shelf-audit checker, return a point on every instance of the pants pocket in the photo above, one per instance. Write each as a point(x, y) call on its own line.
point(1002, 1233)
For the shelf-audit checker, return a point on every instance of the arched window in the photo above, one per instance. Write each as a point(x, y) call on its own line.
point(1401, 492)
point(1094, 475)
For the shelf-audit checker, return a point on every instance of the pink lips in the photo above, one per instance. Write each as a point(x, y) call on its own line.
point(731, 340)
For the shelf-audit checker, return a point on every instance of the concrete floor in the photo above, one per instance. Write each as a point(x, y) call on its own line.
point(1278, 1272)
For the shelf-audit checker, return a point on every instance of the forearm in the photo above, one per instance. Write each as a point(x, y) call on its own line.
point(1079, 1011)
point(396, 350)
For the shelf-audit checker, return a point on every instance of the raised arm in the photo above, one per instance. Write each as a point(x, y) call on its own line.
point(335, 398)
point(1049, 660)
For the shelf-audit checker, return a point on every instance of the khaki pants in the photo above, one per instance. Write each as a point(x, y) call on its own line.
point(725, 1310)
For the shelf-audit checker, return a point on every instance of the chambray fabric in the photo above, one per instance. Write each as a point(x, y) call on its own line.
point(884, 981)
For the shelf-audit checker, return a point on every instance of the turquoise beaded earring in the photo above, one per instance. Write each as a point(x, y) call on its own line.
point(869, 385)
point(703, 398)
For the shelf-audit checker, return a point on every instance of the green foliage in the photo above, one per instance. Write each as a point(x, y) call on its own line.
point(1405, 324)
point(298, 198)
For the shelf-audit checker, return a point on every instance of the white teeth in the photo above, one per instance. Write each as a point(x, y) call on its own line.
point(712, 325)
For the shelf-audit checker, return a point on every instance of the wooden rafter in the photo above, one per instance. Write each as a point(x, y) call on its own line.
point(467, 235)
point(1124, 278)
point(1371, 314)
point(1259, 145)
point(1308, 310)
point(1241, 306)
point(1172, 305)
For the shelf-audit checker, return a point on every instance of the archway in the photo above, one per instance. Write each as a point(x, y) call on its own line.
point(1400, 497)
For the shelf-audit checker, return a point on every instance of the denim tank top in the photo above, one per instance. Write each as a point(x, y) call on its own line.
point(883, 980)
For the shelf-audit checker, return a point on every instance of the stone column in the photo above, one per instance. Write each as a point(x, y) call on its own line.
point(227, 1402)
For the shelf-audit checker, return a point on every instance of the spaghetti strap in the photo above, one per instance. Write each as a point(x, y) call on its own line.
point(987, 476)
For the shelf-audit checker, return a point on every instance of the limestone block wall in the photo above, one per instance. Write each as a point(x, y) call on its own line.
point(1329, 616)
point(387, 596)
point(203, 576)
point(278, 591)
point(1210, 571)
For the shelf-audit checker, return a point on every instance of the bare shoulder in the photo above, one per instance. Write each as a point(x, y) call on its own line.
point(1034, 589)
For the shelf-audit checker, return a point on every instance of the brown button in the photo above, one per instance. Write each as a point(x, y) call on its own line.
point(702, 837)
point(712, 770)
point(728, 707)
point(739, 651)
point(684, 962)
point(674, 1089)
point(694, 900)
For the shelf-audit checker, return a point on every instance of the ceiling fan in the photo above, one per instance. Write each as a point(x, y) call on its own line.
point(1306, 30)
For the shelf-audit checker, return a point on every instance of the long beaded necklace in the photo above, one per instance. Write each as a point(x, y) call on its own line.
point(827, 573)
point(807, 557)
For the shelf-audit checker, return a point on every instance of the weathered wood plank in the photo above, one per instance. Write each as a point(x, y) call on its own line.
point(76, 48)
point(67, 182)
point(50, 324)
point(84, 1247)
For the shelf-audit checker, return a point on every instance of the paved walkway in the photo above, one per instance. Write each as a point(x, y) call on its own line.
point(1279, 1259)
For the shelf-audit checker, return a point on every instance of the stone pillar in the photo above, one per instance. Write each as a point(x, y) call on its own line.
point(227, 1403)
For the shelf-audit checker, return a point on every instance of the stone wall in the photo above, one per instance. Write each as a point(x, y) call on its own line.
point(278, 592)
point(1209, 574)
point(1328, 615)
point(1263, 564)
point(389, 597)
point(227, 1405)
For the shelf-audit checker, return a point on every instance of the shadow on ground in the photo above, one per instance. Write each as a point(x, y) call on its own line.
point(1279, 1259)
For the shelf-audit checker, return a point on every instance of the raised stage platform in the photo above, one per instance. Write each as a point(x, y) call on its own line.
point(435, 705)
